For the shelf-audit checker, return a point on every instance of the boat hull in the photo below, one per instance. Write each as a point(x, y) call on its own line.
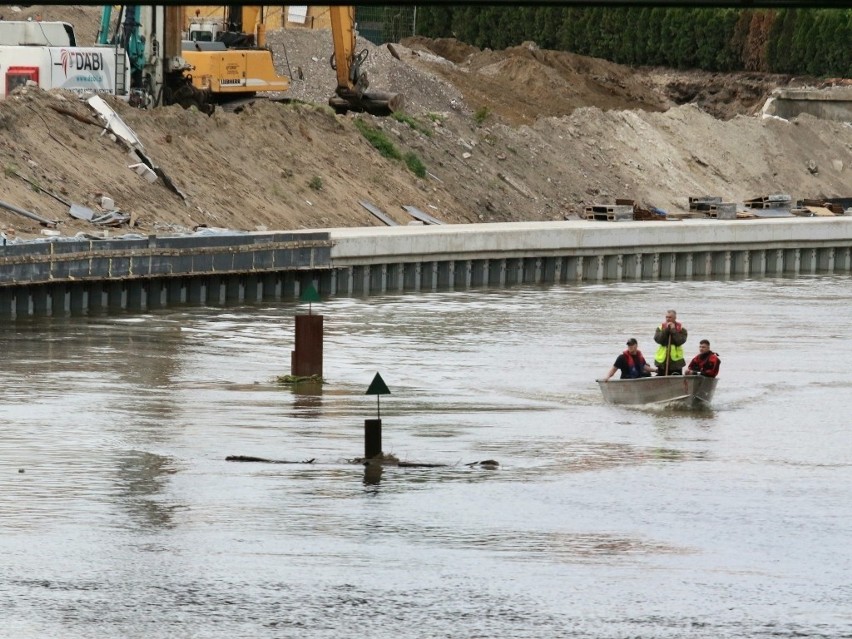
point(694, 390)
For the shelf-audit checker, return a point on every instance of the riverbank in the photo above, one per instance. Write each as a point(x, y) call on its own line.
point(62, 277)
point(504, 136)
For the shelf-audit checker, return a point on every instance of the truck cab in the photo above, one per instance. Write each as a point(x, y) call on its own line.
point(46, 54)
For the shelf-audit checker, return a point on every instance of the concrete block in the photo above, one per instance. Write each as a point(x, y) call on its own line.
point(703, 203)
point(144, 171)
point(722, 211)
point(609, 212)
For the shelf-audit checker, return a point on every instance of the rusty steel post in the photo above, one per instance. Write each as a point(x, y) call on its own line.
point(306, 360)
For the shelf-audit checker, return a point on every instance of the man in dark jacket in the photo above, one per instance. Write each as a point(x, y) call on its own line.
point(631, 363)
point(706, 363)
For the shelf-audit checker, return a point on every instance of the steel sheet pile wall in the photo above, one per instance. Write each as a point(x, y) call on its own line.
point(403, 259)
point(72, 276)
point(62, 277)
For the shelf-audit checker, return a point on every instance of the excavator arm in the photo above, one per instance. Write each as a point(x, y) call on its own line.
point(351, 93)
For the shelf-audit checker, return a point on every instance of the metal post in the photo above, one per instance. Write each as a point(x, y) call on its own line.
point(307, 358)
point(372, 438)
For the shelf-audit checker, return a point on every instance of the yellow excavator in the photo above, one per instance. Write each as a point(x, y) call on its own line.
point(229, 61)
point(204, 60)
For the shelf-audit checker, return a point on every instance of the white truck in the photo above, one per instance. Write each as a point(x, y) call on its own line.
point(46, 53)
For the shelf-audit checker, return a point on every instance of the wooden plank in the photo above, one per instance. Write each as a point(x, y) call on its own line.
point(820, 211)
point(375, 210)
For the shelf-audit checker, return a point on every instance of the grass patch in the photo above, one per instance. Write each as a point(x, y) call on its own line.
point(412, 122)
point(379, 140)
point(481, 115)
point(387, 148)
point(415, 165)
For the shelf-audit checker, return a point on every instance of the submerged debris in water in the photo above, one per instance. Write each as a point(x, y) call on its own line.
point(387, 459)
point(249, 458)
point(489, 464)
point(299, 379)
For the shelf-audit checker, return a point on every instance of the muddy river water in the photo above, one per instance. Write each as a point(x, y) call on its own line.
point(120, 517)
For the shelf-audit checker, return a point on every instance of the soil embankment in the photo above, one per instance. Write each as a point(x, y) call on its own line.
point(520, 134)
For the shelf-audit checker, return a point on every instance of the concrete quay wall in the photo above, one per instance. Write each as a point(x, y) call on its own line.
point(75, 276)
point(833, 103)
point(427, 258)
point(55, 278)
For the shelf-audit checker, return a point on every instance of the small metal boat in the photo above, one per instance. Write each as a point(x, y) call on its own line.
point(691, 390)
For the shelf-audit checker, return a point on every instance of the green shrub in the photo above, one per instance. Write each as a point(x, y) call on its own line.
point(316, 183)
point(415, 165)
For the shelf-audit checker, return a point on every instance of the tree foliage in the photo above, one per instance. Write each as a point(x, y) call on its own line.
point(796, 41)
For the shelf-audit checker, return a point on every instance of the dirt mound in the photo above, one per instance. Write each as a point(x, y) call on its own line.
point(447, 48)
point(520, 134)
point(523, 83)
point(722, 95)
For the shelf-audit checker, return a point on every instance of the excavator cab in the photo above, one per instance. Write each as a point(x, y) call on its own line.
point(351, 93)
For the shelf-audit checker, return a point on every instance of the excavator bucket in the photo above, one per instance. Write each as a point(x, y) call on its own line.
point(375, 102)
point(348, 63)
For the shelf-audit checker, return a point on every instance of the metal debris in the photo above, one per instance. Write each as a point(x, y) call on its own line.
point(381, 215)
point(29, 214)
point(417, 214)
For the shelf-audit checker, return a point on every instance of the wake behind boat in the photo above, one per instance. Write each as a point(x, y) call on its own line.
point(693, 390)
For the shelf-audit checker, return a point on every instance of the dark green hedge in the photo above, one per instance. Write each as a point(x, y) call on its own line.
point(796, 41)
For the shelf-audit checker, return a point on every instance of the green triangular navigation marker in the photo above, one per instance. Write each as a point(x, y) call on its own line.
point(378, 386)
point(309, 294)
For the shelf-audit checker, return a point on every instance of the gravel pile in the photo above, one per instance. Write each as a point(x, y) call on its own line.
point(305, 56)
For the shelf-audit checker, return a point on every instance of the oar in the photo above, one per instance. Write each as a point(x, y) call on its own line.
point(668, 353)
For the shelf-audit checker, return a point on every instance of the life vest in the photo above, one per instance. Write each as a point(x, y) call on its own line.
point(707, 365)
point(676, 354)
point(634, 365)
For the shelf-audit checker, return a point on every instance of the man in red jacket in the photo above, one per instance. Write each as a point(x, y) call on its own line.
point(706, 362)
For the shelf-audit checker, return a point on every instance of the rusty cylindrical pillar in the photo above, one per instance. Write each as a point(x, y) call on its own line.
point(307, 357)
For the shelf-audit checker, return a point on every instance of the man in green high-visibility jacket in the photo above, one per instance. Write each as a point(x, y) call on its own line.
point(671, 336)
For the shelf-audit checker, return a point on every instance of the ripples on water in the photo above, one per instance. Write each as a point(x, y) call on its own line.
point(600, 522)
